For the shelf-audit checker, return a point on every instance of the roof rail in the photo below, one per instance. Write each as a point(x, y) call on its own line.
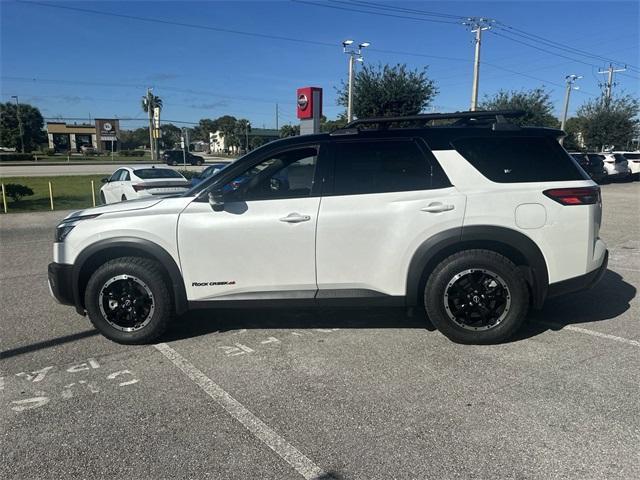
point(463, 119)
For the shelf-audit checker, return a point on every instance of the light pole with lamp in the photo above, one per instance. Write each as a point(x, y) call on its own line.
point(354, 55)
point(19, 123)
point(570, 79)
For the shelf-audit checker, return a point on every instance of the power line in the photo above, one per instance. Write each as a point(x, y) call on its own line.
point(180, 24)
point(141, 86)
point(558, 45)
point(337, 7)
point(402, 9)
point(503, 26)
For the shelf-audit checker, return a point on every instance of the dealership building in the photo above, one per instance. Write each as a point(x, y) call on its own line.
point(102, 135)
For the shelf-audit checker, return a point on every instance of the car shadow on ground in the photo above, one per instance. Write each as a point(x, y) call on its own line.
point(608, 300)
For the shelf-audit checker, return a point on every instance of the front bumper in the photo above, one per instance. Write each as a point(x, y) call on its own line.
point(583, 282)
point(61, 282)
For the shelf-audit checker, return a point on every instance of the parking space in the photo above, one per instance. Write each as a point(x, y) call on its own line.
point(335, 393)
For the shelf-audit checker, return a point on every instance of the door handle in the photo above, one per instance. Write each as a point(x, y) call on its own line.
point(295, 218)
point(437, 207)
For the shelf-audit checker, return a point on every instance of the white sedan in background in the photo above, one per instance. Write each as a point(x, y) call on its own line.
point(128, 183)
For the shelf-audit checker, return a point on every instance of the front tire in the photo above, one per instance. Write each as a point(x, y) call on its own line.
point(476, 297)
point(128, 300)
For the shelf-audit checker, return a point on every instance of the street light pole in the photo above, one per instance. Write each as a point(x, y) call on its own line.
point(570, 79)
point(19, 123)
point(354, 54)
point(350, 94)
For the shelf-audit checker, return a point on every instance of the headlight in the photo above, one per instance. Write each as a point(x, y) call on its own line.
point(63, 230)
point(69, 224)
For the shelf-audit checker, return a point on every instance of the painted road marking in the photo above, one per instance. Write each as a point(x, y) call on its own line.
point(593, 333)
point(301, 463)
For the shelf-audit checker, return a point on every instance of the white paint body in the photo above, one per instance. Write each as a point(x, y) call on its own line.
point(119, 190)
point(347, 242)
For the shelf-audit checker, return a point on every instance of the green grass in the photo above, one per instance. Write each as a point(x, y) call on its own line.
point(69, 192)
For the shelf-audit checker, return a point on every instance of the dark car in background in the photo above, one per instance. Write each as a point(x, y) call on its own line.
point(178, 157)
point(210, 171)
point(593, 164)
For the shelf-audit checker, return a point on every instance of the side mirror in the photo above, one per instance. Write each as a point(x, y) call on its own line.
point(216, 199)
point(105, 180)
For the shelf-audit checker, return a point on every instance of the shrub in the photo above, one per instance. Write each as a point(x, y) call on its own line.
point(188, 174)
point(17, 191)
point(132, 153)
point(15, 157)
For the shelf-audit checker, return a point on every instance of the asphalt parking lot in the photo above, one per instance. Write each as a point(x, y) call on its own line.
point(343, 394)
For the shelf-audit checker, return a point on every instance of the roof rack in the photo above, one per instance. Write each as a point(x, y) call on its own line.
point(495, 118)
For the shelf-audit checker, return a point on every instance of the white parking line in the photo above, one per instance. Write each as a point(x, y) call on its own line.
point(593, 333)
point(303, 465)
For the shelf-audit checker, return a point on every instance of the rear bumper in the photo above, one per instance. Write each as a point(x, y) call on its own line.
point(61, 282)
point(583, 282)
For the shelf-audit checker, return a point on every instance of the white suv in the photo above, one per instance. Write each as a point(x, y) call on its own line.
point(476, 221)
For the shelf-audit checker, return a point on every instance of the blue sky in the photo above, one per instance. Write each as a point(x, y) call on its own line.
point(77, 64)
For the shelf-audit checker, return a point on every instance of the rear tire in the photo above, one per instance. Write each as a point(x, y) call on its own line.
point(128, 300)
point(102, 198)
point(476, 297)
point(123, 199)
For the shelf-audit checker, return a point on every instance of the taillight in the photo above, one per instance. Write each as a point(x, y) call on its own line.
point(574, 196)
point(139, 186)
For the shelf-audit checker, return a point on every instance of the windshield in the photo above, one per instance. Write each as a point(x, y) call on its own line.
point(152, 173)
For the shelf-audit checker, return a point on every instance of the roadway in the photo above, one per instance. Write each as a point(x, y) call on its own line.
point(35, 169)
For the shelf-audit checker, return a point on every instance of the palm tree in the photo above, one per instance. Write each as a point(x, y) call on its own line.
point(149, 103)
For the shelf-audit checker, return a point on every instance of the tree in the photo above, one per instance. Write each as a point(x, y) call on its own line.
point(241, 130)
point(609, 122)
point(256, 142)
point(170, 135)
point(131, 139)
point(204, 127)
point(289, 131)
point(227, 128)
point(574, 139)
point(387, 91)
point(536, 104)
point(331, 125)
point(17, 191)
point(32, 126)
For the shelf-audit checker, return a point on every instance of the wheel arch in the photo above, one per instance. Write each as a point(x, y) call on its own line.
point(514, 245)
point(104, 250)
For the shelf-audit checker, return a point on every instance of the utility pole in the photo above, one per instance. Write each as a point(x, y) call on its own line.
point(609, 85)
point(354, 55)
point(570, 79)
point(477, 25)
point(182, 144)
point(147, 102)
point(277, 117)
point(19, 123)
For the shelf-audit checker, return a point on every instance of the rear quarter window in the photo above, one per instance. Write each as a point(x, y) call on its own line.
point(519, 159)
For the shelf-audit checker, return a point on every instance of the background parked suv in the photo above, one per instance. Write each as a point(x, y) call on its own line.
point(475, 222)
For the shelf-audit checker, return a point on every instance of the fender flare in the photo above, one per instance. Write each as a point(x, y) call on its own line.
point(149, 249)
point(436, 248)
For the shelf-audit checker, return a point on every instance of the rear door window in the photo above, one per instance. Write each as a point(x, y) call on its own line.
point(519, 159)
point(379, 166)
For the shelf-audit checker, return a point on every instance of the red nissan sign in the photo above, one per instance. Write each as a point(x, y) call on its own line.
point(308, 100)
